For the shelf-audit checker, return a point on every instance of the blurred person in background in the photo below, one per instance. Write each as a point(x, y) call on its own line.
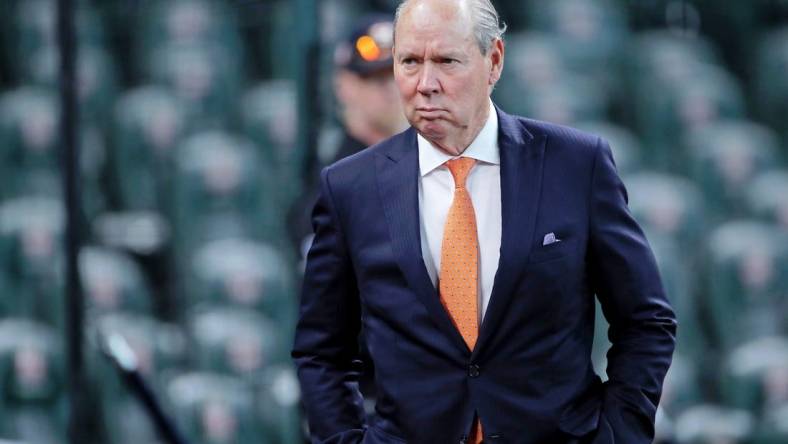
point(476, 298)
point(368, 105)
point(364, 87)
point(370, 111)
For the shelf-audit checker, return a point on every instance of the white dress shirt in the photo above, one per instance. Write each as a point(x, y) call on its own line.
point(436, 191)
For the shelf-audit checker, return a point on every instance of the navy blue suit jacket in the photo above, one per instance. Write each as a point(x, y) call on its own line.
point(529, 376)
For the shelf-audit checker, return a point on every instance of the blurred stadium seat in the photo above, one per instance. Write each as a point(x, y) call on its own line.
point(112, 281)
point(148, 122)
point(747, 272)
point(159, 348)
point(770, 87)
point(216, 408)
point(767, 197)
point(712, 424)
point(243, 273)
point(31, 232)
point(32, 373)
point(724, 157)
point(234, 341)
point(221, 190)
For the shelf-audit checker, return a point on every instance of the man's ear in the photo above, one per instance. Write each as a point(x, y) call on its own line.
point(496, 55)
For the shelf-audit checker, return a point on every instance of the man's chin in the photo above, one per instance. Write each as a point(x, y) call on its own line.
point(432, 130)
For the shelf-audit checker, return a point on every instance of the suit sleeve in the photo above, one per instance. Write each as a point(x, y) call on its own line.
point(325, 349)
point(642, 330)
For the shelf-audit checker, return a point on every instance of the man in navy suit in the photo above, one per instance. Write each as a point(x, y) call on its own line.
point(552, 230)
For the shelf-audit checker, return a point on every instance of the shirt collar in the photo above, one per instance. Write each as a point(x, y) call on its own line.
point(484, 147)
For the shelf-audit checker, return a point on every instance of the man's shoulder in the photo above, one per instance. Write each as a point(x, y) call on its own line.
point(365, 158)
point(560, 134)
point(354, 170)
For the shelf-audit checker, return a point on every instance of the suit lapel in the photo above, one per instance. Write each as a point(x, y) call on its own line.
point(398, 175)
point(521, 179)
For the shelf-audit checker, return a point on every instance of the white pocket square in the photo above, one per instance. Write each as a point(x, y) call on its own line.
point(550, 238)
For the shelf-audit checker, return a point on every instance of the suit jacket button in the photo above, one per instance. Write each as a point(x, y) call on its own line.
point(473, 370)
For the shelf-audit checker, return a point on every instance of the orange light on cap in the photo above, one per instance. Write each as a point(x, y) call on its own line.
point(367, 48)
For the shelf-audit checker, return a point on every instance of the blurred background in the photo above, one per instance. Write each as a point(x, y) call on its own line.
point(202, 125)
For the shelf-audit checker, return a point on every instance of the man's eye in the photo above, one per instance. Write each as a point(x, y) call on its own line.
point(448, 61)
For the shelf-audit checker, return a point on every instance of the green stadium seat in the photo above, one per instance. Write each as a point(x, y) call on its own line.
point(148, 123)
point(724, 157)
point(667, 204)
point(221, 190)
point(159, 348)
point(243, 273)
point(774, 426)
point(714, 424)
point(31, 232)
point(200, 22)
point(693, 90)
point(627, 149)
point(590, 35)
point(269, 118)
point(710, 94)
point(29, 159)
point(681, 388)
point(278, 397)
point(203, 76)
point(667, 56)
point(112, 281)
point(143, 233)
point(767, 197)
point(747, 263)
point(770, 87)
point(599, 25)
point(533, 61)
point(214, 408)
point(282, 21)
point(675, 265)
point(96, 80)
point(235, 341)
point(573, 99)
point(28, 134)
point(31, 25)
point(538, 83)
point(755, 376)
point(32, 405)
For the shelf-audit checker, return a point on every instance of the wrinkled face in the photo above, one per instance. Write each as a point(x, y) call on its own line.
point(443, 79)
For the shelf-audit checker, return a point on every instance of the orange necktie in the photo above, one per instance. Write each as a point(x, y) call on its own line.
point(459, 268)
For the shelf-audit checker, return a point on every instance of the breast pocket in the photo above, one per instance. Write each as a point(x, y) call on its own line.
point(543, 253)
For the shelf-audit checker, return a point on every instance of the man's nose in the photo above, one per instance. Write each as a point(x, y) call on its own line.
point(428, 80)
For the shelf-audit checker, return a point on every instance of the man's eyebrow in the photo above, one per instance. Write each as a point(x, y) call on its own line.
point(405, 55)
point(448, 55)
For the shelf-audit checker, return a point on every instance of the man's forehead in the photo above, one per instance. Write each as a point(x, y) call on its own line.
point(442, 12)
point(433, 22)
point(440, 45)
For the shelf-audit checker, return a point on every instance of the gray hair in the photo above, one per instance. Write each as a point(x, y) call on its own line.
point(487, 25)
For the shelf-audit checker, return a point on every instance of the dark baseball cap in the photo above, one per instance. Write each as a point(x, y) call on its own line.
point(367, 50)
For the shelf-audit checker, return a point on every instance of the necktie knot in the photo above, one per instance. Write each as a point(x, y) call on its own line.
point(460, 167)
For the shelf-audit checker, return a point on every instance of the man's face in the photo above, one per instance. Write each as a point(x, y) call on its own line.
point(372, 99)
point(443, 79)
